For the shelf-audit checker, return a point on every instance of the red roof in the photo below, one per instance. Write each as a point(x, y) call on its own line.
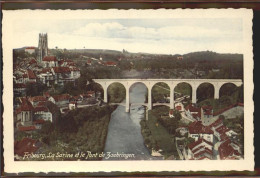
point(203, 152)
point(61, 97)
point(31, 74)
point(45, 70)
point(26, 128)
point(202, 147)
point(192, 108)
point(194, 144)
point(110, 63)
point(25, 145)
point(25, 106)
point(33, 61)
point(171, 112)
point(226, 151)
point(198, 128)
point(19, 85)
point(49, 58)
point(39, 121)
point(61, 69)
point(41, 108)
point(222, 129)
point(37, 98)
point(30, 47)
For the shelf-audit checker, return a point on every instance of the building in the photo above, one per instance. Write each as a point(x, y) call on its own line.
point(42, 113)
point(42, 46)
point(50, 61)
point(200, 150)
point(198, 131)
point(206, 114)
point(36, 99)
point(192, 112)
point(30, 50)
point(19, 88)
point(229, 151)
point(24, 113)
point(60, 100)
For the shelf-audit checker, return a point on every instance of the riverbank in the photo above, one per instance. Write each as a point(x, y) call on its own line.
point(81, 131)
point(156, 137)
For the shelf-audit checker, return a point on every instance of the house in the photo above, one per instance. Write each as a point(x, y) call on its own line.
point(36, 99)
point(200, 150)
point(229, 151)
point(46, 76)
point(24, 113)
point(171, 113)
point(179, 106)
point(110, 64)
point(72, 105)
point(91, 94)
point(66, 63)
point(26, 145)
point(74, 72)
point(89, 62)
point(197, 131)
point(61, 74)
point(30, 50)
point(206, 114)
point(20, 88)
point(60, 99)
point(50, 61)
point(192, 112)
point(42, 112)
point(179, 57)
point(26, 128)
point(38, 123)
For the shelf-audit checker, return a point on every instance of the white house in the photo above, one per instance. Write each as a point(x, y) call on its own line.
point(30, 50)
point(41, 112)
point(50, 61)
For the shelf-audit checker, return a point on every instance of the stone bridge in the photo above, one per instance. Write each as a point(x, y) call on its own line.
point(172, 83)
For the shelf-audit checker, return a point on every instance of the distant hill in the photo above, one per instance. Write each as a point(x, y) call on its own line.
point(209, 55)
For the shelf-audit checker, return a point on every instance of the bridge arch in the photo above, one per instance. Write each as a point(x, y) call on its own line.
point(160, 92)
point(183, 89)
point(143, 87)
point(116, 92)
point(205, 90)
point(227, 89)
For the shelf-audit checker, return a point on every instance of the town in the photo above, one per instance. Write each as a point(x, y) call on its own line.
point(56, 102)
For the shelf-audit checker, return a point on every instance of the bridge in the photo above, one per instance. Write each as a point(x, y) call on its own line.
point(172, 83)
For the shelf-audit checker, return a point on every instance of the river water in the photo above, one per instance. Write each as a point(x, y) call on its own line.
point(124, 130)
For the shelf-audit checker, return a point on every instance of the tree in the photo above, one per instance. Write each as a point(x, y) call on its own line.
point(47, 128)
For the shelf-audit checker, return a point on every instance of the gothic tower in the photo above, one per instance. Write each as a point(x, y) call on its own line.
point(42, 46)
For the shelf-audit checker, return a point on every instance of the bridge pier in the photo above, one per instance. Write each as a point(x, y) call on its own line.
point(216, 91)
point(150, 104)
point(127, 104)
point(172, 96)
point(194, 94)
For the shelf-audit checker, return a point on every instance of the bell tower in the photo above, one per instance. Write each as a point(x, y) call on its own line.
point(42, 46)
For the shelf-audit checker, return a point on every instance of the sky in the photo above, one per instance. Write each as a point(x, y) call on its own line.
point(157, 36)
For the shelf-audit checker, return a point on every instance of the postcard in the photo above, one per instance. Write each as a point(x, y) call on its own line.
point(128, 90)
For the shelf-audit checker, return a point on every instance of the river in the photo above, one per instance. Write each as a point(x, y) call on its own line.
point(124, 130)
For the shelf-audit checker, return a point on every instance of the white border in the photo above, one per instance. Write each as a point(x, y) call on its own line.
point(12, 166)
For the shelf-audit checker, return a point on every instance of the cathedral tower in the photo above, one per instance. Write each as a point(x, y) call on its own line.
point(42, 46)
